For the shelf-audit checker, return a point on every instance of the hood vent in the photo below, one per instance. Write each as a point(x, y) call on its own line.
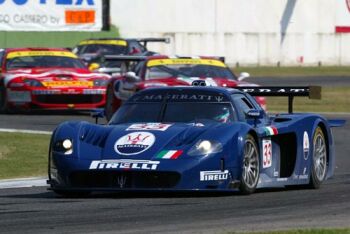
point(95, 135)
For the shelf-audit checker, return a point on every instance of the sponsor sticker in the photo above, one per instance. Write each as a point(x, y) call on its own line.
point(125, 164)
point(306, 145)
point(134, 143)
point(149, 126)
point(169, 154)
point(67, 83)
point(267, 153)
point(213, 175)
point(19, 96)
point(271, 131)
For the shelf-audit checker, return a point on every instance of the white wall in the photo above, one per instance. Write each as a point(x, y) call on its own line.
point(248, 32)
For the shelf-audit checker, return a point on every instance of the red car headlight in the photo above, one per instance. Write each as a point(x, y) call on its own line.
point(32, 83)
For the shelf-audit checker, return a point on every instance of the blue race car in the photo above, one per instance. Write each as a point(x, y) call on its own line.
point(194, 138)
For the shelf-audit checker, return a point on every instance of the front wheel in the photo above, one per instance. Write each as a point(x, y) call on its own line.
point(319, 159)
point(251, 166)
point(3, 99)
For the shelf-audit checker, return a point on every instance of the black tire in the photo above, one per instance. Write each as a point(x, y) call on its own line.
point(319, 159)
point(3, 99)
point(250, 166)
point(109, 104)
point(71, 194)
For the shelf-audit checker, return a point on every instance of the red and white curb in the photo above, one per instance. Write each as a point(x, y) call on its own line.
point(23, 182)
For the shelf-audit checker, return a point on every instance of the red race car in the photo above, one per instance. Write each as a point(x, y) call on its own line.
point(157, 71)
point(48, 78)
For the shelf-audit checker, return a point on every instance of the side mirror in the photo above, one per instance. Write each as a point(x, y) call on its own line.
point(94, 66)
point(97, 114)
point(243, 75)
point(132, 77)
point(253, 115)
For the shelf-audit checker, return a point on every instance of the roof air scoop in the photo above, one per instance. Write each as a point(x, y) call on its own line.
point(199, 83)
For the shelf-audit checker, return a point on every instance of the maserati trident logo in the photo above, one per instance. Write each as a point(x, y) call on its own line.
point(134, 143)
point(121, 180)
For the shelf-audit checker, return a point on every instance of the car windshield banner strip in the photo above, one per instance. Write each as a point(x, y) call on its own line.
point(313, 92)
point(104, 42)
point(40, 53)
point(185, 61)
point(180, 96)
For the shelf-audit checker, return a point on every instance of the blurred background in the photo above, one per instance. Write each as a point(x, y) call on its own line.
point(246, 32)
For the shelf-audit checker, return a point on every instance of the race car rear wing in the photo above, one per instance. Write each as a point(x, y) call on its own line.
point(144, 41)
point(126, 58)
point(313, 92)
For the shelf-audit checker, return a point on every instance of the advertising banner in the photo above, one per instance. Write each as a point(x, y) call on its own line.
point(50, 15)
point(342, 16)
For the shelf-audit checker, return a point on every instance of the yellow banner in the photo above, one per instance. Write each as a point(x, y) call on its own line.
point(40, 53)
point(68, 83)
point(104, 42)
point(179, 61)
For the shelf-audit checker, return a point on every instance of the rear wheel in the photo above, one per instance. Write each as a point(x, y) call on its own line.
point(319, 159)
point(72, 194)
point(109, 111)
point(251, 166)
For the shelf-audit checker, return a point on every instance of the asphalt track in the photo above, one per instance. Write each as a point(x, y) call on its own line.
point(36, 210)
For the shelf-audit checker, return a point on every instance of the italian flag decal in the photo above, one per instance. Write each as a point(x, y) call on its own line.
point(270, 131)
point(169, 154)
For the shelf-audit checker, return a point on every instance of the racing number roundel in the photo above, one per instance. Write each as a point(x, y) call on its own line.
point(134, 143)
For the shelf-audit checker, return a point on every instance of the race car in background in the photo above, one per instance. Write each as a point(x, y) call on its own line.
point(91, 51)
point(194, 139)
point(48, 78)
point(161, 71)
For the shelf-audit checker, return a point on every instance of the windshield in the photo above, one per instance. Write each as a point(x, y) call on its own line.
point(201, 68)
point(169, 112)
point(101, 49)
point(43, 62)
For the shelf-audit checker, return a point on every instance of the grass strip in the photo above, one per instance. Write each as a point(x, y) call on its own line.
point(23, 155)
point(334, 99)
point(294, 71)
point(302, 231)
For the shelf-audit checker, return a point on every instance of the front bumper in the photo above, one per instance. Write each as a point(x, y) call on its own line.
point(80, 99)
point(178, 175)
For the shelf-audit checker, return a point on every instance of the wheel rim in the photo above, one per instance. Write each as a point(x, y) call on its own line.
point(250, 164)
point(320, 157)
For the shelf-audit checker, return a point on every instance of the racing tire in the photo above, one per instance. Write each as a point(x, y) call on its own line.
point(3, 100)
point(71, 194)
point(319, 159)
point(109, 104)
point(251, 166)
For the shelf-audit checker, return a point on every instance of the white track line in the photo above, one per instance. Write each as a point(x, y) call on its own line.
point(23, 182)
point(25, 131)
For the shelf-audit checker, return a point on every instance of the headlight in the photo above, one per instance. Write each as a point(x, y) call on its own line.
point(32, 83)
point(204, 147)
point(100, 82)
point(65, 146)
